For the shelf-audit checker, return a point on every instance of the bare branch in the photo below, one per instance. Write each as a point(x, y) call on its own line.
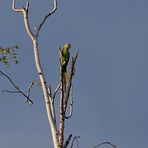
point(17, 88)
point(24, 11)
point(56, 90)
point(10, 91)
point(27, 5)
point(30, 86)
point(52, 103)
point(69, 82)
point(64, 95)
point(45, 18)
point(67, 141)
point(9, 79)
point(16, 9)
point(70, 104)
point(75, 138)
point(103, 143)
point(62, 114)
point(44, 86)
point(52, 98)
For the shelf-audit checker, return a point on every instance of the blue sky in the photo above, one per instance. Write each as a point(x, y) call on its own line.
point(111, 81)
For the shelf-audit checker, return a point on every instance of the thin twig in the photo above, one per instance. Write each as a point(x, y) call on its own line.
point(10, 91)
point(30, 86)
point(45, 18)
point(9, 79)
point(16, 9)
point(103, 143)
point(27, 5)
point(52, 98)
point(67, 141)
point(56, 90)
point(75, 138)
point(70, 104)
point(17, 88)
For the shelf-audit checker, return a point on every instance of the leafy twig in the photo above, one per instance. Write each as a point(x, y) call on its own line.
point(8, 52)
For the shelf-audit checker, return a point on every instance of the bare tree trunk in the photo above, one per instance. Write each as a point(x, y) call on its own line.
point(57, 135)
point(46, 95)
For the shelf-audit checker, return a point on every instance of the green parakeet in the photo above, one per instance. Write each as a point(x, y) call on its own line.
point(64, 58)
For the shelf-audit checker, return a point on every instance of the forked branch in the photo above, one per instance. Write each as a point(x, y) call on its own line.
point(17, 88)
point(45, 18)
point(24, 11)
point(30, 87)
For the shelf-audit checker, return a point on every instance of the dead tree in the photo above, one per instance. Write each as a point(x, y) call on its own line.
point(57, 129)
point(65, 89)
